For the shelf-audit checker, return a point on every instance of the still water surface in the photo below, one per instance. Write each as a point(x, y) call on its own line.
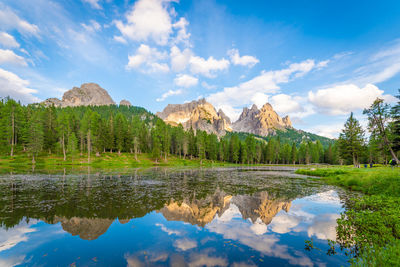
point(167, 217)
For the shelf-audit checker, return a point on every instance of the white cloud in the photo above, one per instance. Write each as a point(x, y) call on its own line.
point(9, 20)
point(148, 19)
point(185, 244)
point(208, 86)
point(92, 26)
point(323, 64)
point(132, 261)
point(380, 66)
point(259, 99)
point(268, 244)
point(285, 104)
point(148, 57)
point(205, 260)
point(184, 80)
point(12, 261)
point(167, 230)
point(258, 88)
point(182, 36)
point(236, 59)
point(11, 237)
point(207, 67)
point(158, 67)
point(9, 57)
point(93, 3)
point(330, 197)
point(343, 99)
point(259, 228)
point(15, 87)
point(324, 227)
point(120, 39)
point(168, 94)
point(179, 59)
point(327, 130)
point(284, 223)
point(8, 40)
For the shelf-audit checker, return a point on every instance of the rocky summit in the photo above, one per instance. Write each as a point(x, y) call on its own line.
point(200, 115)
point(125, 102)
point(89, 94)
point(260, 121)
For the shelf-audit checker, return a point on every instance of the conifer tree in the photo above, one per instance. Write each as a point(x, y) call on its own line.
point(120, 131)
point(293, 154)
point(10, 122)
point(244, 157)
point(62, 127)
point(234, 149)
point(72, 144)
point(351, 140)
point(35, 139)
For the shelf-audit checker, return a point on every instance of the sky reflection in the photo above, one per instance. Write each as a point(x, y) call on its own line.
point(193, 224)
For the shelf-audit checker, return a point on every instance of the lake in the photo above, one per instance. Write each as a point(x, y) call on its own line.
point(168, 217)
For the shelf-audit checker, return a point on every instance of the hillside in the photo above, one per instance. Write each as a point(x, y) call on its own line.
point(288, 136)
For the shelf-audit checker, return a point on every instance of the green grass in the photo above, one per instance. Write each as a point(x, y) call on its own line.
point(371, 181)
point(369, 229)
point(105, 160)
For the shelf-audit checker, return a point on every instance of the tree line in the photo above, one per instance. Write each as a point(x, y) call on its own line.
point(383, 142)
point(36, 129)
point(92, 130)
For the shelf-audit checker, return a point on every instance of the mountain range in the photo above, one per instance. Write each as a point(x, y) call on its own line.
point(203, 116)
point(198, 115)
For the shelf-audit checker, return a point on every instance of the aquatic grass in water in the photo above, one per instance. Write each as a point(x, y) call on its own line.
point(163, 216)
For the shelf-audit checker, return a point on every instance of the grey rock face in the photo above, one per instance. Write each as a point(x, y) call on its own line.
point(124, 102)
point(199, 115)
point(52, 101)
point(89, 94)
point(260, 121)
point(222, 115)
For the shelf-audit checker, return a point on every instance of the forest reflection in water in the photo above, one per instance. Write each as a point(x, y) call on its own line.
point(196, 217)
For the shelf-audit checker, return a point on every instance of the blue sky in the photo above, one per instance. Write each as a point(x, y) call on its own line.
point(315, 61)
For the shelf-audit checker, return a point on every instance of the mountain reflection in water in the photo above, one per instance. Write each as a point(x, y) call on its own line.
point(195, 217)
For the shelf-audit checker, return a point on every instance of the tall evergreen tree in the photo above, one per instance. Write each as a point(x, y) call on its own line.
point(50, 128)
point(72, 144)
point(351, 140)
point(244, 157)
point(35, 139)
point(62, 128)
point(293, 154)
point(120, 131)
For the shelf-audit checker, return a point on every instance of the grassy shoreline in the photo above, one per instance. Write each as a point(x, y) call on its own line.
point(110, 160)
point(369, 229)
point(371, 181)
point(105, 160)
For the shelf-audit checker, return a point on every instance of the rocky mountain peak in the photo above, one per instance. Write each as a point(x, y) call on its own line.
point(266, 107)
point(254, 107)
point(124, 102)
point(89, 94)
point(196, 114)
point(260, 121)
point(286, 120)
point(222, 115)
